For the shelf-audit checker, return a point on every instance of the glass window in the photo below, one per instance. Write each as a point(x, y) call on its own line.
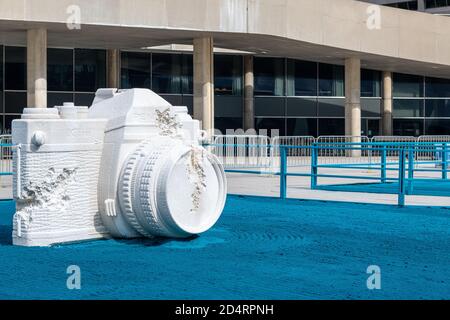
point(60, 69)
point(301, 78)
point(84, 99)
point(437, 108)
point(8, 120)
point(408, 108)
point(370, 107)
point(407, 5)
point(15, 68)
point(57, 99)
point(173, 99)
point(224, 123)
point(270, 106)
point(370, 127)
point(373, 127)
point(269, 76)
point(437, 126)
point(274, 126)
point(166, 73)
point(408, 127)
point(331, 80)
point(364, 127)
point(228, 75)
point(435, 87)
point(135, 70)
point(15, 102)
point(332, 107)
point(228, 106)
point(429, 4)
point(188, 101)
point(301, 107)
point(90, 70)
point(331, 127)
point(187, 74)
point(406, 85)
point(370, 83)
point(301, 127)
point(1, 68)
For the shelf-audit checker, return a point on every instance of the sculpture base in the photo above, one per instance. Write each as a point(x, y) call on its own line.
point(46, 239)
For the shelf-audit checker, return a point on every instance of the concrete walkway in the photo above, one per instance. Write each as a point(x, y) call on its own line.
point(299, 188)
point(5, 187)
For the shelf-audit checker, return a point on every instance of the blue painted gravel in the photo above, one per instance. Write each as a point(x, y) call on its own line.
point(261, 248)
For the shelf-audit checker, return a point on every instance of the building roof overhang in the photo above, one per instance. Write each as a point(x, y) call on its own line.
point(327, 31)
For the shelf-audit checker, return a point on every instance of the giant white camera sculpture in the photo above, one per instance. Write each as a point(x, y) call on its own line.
point(129, 166)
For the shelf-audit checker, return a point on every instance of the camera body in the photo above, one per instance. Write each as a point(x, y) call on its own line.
point(129, 166)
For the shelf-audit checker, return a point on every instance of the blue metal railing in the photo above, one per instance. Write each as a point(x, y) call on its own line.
point(405, 163)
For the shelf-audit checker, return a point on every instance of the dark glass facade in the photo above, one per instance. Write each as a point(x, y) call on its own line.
point(307, 98)
point(169, 75)
point(293, 96)
point(73, 75)
point(136, 70)
point(14, 84)
point(228, 75)
point(301, 78)
point(166, 73)
point(15, 66)
point(60, 70)
point(90, 70)
point(269, 76)
point(421, 105)
point(331, 80)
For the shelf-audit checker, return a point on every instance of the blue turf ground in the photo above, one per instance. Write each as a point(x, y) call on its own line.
point(260, 249)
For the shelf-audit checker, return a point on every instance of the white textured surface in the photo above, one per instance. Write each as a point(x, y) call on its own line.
point(54, 196)
point(56, 167)
point(196, 174)
point(167, 123)
point(145, 139)
point(109, 174)
point(161, 167)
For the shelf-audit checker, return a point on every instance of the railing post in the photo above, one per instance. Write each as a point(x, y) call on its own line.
point(410, 170)
point(314, 154)
point(383, 165)
point(444, 161)
point(283, 171)
point(401, 178)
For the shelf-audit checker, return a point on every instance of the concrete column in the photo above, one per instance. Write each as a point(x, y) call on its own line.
point(37, 68)
point(204, 83)
point(387, 104)
point(421, 5)
point(113, 68)
point(353, 101)
point(249, 83)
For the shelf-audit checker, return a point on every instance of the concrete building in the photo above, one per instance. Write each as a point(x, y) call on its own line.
point(323, 67)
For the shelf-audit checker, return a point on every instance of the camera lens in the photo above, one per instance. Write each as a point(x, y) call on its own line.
point(170, 189)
